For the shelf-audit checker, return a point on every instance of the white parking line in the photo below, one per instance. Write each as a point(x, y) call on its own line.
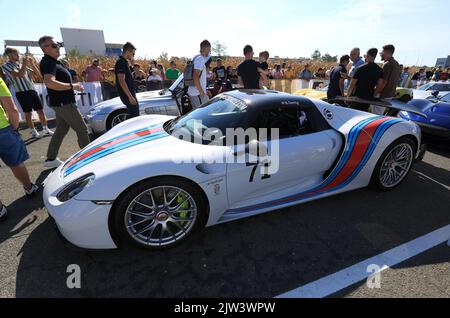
point(336, 282)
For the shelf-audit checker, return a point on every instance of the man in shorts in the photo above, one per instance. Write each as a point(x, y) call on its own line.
point(28, 98)
point(13, 151)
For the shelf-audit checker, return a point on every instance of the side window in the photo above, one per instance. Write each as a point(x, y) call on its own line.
point(290, 121)
point(446, 98)
point(441, 87)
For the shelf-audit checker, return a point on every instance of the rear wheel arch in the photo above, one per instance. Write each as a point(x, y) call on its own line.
point(409, 139)
point(111, 117)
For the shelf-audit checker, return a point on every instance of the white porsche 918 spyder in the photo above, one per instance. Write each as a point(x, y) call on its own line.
point(146, 184)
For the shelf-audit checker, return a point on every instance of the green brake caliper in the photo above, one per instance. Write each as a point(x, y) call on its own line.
point(185, 205)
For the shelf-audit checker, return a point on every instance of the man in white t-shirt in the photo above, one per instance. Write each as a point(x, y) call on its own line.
point(197, 94)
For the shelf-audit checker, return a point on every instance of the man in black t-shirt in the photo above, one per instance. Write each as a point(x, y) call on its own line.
point(61, 95)
point(219, 71)
point(248, 70)
point(366, 78)
point(125, 82)
point(337, 78)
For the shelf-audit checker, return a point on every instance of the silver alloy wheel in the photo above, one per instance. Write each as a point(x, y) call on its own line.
point(161, 216)
point(119, 118)
point(396, 165)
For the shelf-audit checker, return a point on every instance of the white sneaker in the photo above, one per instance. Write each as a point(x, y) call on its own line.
point(35, 134)
point(48, 132)
point(34, 189)
point(3, 214)
point(53, 164)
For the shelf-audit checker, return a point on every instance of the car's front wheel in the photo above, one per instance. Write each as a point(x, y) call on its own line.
point(394, 165)
point(159, 213)
point(116, 118)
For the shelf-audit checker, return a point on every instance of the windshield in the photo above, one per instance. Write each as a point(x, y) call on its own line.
point(208, 125)
point(425, 87)
point(177, 85)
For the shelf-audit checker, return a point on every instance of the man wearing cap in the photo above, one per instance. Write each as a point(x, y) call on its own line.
point(93, 73)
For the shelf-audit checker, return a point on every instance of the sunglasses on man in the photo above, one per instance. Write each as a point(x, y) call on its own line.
point(53, 45)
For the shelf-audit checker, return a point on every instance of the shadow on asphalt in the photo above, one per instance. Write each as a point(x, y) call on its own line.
point(440, 149)
point(263, 256)
point(20, 210)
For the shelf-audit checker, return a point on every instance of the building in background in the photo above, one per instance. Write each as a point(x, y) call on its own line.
point(78, 41)
point(443, 62)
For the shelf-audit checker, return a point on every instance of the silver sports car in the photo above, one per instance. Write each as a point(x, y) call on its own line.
point(105, 115)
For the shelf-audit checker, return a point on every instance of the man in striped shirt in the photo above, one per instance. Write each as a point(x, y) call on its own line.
point(23, 86)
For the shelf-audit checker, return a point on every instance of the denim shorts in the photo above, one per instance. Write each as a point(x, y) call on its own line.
point(13, 151)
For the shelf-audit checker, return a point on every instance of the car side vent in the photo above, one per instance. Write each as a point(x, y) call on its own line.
point(202, 168)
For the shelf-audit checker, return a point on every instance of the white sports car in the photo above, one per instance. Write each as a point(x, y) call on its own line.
point(154, 180)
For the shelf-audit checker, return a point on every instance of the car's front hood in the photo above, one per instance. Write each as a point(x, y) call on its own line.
point(141, 97)
point(419, 94)
point(124, 138)
point(138, 147)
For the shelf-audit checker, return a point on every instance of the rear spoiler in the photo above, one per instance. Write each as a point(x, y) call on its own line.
point(393, 105)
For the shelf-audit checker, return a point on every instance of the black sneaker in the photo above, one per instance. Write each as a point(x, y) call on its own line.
point(32, 192)
point(3, 214)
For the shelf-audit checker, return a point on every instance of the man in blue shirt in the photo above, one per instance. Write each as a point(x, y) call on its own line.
point(306, 74)
point(357, 61)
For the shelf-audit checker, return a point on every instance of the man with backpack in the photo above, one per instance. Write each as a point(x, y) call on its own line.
point(197, 87)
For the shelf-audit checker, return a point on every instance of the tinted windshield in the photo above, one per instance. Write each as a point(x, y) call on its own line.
point(446, 98)
point(425, 87)
point(441, 87)
point(178, 84)
point(214, 118)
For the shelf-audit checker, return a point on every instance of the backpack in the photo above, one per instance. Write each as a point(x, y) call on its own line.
point(189, 74)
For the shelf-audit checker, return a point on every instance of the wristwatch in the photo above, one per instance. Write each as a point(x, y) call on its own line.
point(71, 86)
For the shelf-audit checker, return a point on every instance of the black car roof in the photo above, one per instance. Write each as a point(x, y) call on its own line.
point(261, 98)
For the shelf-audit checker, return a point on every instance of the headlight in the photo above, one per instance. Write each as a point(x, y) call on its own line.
point(94, 111)
point(75, 188)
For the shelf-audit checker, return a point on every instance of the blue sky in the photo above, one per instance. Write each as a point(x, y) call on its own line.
point(287, 28)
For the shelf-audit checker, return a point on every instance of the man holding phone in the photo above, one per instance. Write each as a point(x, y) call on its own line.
point(61, 93)
point(22, 83)
point(126, 85)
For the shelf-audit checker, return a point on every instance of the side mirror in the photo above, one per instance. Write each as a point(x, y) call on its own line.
point(435, 93)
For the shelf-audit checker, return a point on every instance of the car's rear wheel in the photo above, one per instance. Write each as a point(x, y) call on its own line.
point(160, 213)
point(394, 165)
point(116, 118)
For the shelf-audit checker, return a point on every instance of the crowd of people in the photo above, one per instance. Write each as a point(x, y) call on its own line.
point(365, 80)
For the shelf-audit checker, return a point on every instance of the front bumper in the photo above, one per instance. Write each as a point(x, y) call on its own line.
point(82, 223)
point(97, 122)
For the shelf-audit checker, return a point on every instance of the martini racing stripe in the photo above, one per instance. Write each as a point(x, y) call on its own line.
point(113, 146)
point(109, 144)
point(362, 142)
point(82, 152)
